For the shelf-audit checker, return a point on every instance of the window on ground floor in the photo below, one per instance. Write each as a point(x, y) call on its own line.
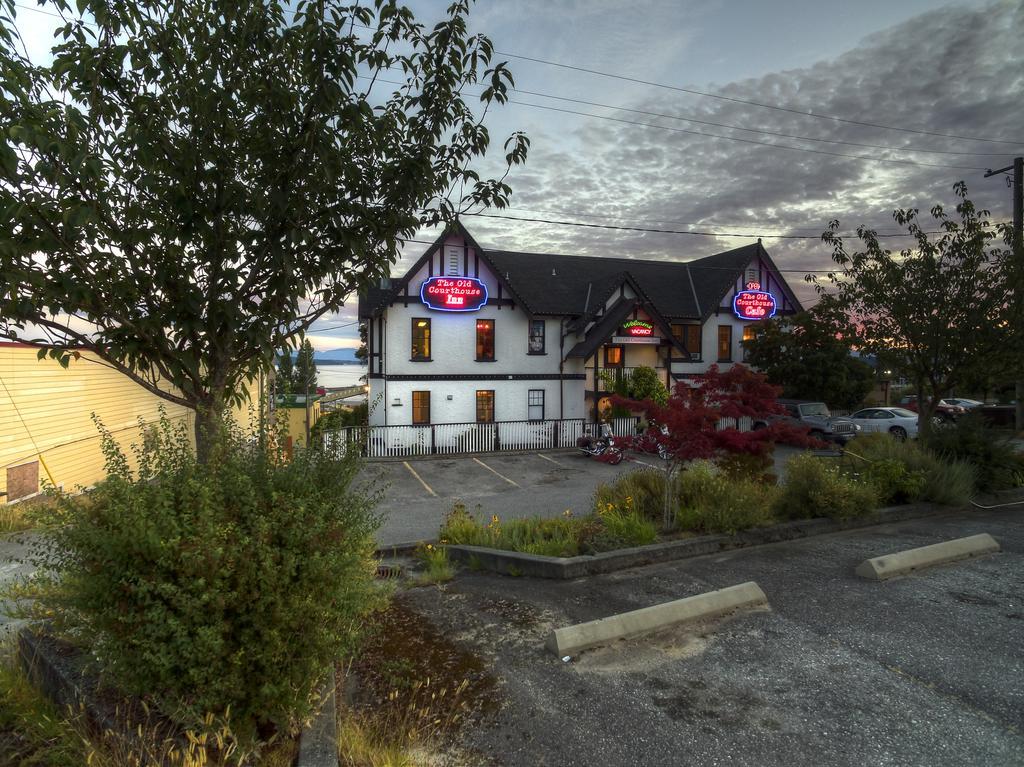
point(535, 404)
point(725, 343)
point(748, 335)
point(421, 407)
point(485, 406)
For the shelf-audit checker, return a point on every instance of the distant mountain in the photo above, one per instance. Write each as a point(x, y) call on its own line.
point(337, 355)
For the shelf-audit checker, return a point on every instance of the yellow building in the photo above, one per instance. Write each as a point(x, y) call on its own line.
point(46, 428)
point(296, 417)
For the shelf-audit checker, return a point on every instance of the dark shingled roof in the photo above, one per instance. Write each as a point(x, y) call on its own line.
point(666, 283)
point(603, 328)
point(678, 290)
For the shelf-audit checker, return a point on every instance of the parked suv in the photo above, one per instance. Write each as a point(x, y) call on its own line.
point(822, 423)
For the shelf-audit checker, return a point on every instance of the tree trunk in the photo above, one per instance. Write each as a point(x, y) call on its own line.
point(209, 426)
point(668, 502)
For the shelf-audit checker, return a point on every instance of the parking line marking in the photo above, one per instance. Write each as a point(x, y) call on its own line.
point(498, 473)
point(648, 465)
point(412, 471)
point(541, 455)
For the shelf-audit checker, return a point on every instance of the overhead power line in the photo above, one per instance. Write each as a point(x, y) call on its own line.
point(705, 134)
point(759, 130)
point(614, 227)
point(733, 99)
point(746, 140)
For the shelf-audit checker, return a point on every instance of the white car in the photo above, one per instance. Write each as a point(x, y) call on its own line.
point(897, 421)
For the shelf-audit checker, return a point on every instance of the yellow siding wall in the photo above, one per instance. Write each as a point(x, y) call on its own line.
point(46, 410)
point(293, 421)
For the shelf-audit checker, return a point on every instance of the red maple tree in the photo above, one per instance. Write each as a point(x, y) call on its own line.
point(702, 422)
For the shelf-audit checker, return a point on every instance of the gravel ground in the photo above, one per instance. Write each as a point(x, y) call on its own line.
point(920, 670)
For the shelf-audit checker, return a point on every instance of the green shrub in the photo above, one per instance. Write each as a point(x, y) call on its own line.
point(645, 488)
point(997, 465)
point(757, 467)
point(817, 488)
point(435, 565)
point(943, 481)
point(894, 482)
point(610, 527)
point(625, 526)
point(712, 502)
point(236, 584)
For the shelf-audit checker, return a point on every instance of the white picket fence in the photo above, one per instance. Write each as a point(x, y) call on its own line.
point(455, 438)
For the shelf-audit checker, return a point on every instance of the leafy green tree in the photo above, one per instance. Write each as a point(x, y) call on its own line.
point(809, 356)
point(644, 384)
point(285, 372)
point(188, 186)
point(942, 305)
point(362, 352)
point(305, 368)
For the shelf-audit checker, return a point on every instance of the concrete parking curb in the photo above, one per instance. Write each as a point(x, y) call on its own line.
point(573, 639)
point(902, 562)
point(318, 743)
point(537, 566)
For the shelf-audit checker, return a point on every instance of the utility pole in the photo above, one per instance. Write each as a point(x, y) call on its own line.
point(1017, 184)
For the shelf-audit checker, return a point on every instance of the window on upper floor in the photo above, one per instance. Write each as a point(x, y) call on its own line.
point(613, 356)
point(485, 340)
point(420, 339)
point(536, 345)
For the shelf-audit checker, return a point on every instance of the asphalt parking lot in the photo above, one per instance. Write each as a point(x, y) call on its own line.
point(420, 491)
point(925, 669)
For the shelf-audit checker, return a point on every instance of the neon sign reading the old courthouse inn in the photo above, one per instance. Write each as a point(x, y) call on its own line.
point(453, 294)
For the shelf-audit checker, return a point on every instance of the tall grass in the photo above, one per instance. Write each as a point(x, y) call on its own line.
point(944, 480)
point(611, 526)
point(33, 731)
point(710, 501)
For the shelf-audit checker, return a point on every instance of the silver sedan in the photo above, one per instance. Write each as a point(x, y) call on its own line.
point(897, 421)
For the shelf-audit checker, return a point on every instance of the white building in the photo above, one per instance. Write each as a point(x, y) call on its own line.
point(472, 336)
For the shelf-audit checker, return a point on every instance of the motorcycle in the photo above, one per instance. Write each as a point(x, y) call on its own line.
point(647, 442)
point(601, 448)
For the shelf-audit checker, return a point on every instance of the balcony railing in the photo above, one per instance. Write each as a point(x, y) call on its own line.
point(618, 375)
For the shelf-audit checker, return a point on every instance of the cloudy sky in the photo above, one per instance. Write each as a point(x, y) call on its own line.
point(926, 67)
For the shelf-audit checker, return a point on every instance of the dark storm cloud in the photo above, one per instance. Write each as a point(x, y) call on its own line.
point(949, 71)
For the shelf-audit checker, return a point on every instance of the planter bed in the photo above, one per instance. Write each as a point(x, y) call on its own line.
point(537, 566)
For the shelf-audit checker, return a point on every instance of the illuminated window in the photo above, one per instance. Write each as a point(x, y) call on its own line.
point(420, 339)
point(748, 335)
point(536, 337)
point(688, 336)
point(485, 406)
point(725, 343)
point(613, 356)
point(485, 340)
point(421, 407)
point(535, 404)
